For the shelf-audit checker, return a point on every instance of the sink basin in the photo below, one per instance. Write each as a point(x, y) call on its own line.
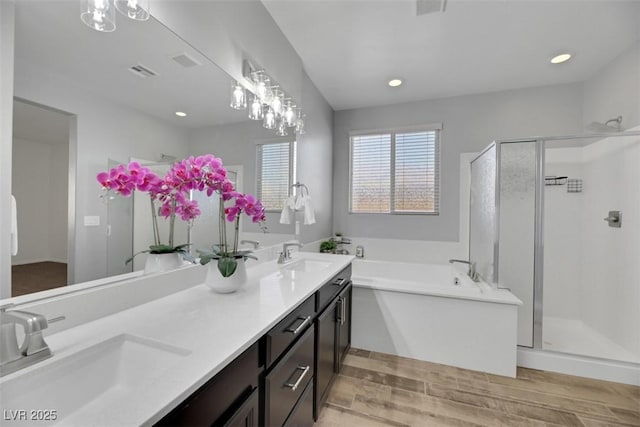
point(306, 265)
point(85, 383)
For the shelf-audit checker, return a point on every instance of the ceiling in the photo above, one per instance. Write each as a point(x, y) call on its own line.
point(98, 64)
point(351, 48)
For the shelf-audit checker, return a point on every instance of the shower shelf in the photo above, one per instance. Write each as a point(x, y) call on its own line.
point(555, 180)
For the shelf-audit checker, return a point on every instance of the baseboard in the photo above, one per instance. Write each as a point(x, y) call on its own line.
point(34, 261)
point(589, 367)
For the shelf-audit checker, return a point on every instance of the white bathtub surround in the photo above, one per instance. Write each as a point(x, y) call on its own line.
point(416, 310)
point(181, 339)
point(411, 251)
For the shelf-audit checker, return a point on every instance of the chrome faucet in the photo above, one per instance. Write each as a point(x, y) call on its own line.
point(33, 349)
point(285, 255)
point(472, 273)
point(255, 243)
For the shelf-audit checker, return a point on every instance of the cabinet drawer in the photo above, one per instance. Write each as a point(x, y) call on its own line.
point(302, 414)
point(287, 380)
point(331, 289)
point(219, 398)
point(291, 327)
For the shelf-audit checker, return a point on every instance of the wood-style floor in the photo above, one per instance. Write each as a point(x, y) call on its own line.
point(376, 389)
point(36, 277)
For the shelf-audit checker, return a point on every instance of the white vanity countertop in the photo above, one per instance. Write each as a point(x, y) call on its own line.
point(213, 328)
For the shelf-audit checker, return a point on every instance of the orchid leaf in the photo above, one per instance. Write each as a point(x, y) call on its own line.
point(227, 266)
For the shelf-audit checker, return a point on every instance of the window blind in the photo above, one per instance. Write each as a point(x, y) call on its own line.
point(395, 172)
point(275, 173)
point(416, 174)
point(370, 173)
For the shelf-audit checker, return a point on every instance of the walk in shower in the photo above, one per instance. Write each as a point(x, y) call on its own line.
point(557, 221)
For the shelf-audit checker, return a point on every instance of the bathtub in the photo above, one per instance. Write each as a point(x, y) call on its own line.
point(434, 313)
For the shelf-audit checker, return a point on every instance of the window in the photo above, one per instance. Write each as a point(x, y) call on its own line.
point(395, 172)
point(276, 164)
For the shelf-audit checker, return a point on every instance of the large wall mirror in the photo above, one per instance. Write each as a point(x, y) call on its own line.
point(84, 99)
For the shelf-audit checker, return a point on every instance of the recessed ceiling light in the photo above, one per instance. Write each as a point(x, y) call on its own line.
point(395, 82)
point(181, 114)
point(559, 59)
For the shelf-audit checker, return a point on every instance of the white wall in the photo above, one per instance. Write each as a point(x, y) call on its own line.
point(104, 130)
point(40, 187)
point(610, 288)
point(615, 91)
point(228, 32)
point(470, 124)
point(7, 10)
point(562, 236)
point(592, 272)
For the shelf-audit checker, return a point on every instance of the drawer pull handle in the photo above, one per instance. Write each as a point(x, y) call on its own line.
point(300, 327)
point(339, 282)
point(295, 385)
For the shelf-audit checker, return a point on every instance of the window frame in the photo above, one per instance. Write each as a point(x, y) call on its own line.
point(293, 153)
point(434, 127)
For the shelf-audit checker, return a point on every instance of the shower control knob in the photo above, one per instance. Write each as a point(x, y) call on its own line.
point(614, 219)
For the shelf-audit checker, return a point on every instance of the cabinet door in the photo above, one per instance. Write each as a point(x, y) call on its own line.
point(343, 325)
point(247, 414)
point(325, 354)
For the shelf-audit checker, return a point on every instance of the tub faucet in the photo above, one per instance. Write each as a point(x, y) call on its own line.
point(472, 273)
point(255, 243)
point(285, 255)
point(33, 349)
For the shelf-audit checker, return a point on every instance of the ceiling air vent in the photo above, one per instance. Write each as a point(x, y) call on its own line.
point(186, 60)
point(430, 6)
point(142, 71)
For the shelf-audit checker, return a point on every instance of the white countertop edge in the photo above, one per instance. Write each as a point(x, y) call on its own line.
point(496, 296)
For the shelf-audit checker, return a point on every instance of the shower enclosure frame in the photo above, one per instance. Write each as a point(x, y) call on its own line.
point(539, 192)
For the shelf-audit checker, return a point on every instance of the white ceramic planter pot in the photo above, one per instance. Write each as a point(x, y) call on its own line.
point(226, 285)
point(158, 263)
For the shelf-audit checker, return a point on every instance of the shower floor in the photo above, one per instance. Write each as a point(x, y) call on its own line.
point(573, 336)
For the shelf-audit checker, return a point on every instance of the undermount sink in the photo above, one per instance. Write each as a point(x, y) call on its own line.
point(306, 265)
point(83, 383)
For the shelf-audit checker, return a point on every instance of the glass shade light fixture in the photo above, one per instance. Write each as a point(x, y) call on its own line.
point(99, 15)
point(262, 87)
point(133, 9)
point(269, 121)
point(276, 102)
point(281, 130)
point(300, 116)
point(289, 114)
point(256, 112)
point(238, 96)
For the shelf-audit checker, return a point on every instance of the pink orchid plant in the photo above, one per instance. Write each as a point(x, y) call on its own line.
point(202, 173)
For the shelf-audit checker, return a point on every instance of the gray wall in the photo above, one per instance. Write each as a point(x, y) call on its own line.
point(615, 91)
point(236, 145)
point(469, 124)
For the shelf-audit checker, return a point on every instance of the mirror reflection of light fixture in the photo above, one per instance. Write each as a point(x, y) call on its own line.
point(300, 116)
point(99, 15)
point(282, 128)
point(289, 114)
point(238, 96)
point(256, 111)
point(269, 121)
point(276, 102)
point(133, 9)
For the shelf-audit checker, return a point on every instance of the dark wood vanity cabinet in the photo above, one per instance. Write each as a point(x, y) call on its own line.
point(333, 335)
point(231, 398)
point(284, 378)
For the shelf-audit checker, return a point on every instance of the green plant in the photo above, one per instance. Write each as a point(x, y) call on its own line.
point(328, 246)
